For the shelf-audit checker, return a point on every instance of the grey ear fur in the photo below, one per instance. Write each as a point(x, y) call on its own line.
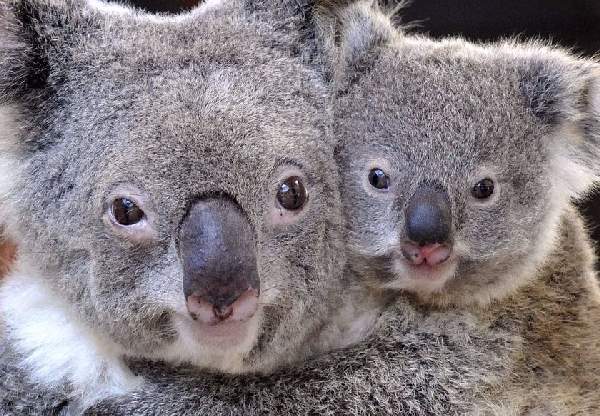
point(32, 33)
point(351, 32)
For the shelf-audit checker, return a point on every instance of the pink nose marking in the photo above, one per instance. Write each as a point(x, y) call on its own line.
point(241, 310)
point(432, 254)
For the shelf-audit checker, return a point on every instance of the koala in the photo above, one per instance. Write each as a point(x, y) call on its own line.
point(170, 184)
point(426, 355)
point(458, 163)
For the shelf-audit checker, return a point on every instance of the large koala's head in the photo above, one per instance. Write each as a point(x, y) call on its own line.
point(171, 178)
point(457, 159)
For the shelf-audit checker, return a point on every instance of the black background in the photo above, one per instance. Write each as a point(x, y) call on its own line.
point(571, 23)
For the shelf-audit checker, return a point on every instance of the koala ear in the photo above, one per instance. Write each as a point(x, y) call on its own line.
point(352, 32)
point(33, 34)
point(564, 93)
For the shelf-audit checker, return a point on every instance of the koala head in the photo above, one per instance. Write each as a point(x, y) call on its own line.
point(456, 159)
point(170, 179)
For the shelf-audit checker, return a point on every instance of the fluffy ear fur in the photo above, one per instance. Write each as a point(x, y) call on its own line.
point(32, 33)
point(352, 31)
point(565, 93)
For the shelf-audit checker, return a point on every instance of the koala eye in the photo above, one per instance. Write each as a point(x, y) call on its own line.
point(126, 212)
point(378, 179)
point(483, 189)
point(292, 194)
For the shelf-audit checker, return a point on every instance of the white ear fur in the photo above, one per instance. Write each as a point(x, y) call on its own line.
point(594, 93)
point(576, 141)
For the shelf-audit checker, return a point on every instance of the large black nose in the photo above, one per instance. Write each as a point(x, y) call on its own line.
point(218, 252)
point(428, 215)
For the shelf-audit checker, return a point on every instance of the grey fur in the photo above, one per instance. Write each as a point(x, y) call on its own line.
point(414, 364)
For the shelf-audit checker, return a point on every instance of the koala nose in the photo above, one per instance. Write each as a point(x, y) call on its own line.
point(428, 216)
point(218, 253)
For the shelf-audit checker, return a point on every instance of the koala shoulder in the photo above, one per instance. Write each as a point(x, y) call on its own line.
point(556, 316)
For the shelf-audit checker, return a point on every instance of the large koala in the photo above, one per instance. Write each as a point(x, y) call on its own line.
point(169, 182)
point(458, 163)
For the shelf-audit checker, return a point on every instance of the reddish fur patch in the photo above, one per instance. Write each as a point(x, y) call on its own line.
point(8, 252)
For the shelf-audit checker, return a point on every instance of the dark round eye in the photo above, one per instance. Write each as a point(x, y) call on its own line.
point(292, 194)
point(126, 212)
point(379, 179)
point(483, 189)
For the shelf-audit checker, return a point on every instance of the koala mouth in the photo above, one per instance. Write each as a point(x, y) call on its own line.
point(427, 256)
point(215, 314)
point(222, 323)
point(423, 269)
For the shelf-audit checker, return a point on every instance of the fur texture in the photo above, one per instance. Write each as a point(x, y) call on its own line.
point(8, 253)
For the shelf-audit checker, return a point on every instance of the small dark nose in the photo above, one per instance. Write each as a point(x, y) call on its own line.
point(218, 252)
point(428, 215)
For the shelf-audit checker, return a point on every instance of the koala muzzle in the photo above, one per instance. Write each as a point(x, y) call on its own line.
point(218, 252)
point(428, 225)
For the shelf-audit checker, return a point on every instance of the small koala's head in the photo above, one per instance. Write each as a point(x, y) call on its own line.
point(456, 159)
point(170, 178)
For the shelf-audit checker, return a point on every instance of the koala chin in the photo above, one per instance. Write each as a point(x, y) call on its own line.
point(458, 174)
point(171, 188)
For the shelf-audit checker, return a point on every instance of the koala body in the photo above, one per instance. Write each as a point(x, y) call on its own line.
point(470, 154)
point(169, 182)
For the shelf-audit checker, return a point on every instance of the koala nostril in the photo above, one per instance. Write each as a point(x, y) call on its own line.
point(428, 217)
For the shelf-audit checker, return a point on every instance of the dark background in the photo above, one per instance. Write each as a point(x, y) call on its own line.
point(571, 23)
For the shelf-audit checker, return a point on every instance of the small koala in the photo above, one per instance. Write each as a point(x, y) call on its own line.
point(458, 166)
point(170, 185)
point(458, 163)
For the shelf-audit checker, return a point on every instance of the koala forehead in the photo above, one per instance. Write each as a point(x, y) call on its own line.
point(204, 102)
point(442, 110)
